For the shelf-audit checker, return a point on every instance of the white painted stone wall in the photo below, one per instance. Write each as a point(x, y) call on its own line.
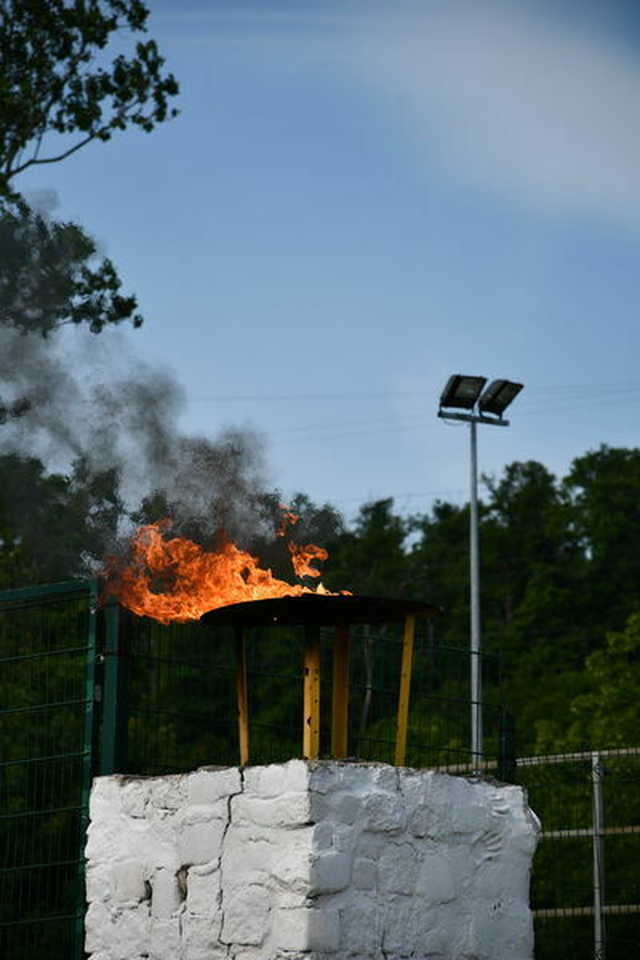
point(332, 860)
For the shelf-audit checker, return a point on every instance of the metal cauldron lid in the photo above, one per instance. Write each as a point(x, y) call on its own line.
point(317, 609)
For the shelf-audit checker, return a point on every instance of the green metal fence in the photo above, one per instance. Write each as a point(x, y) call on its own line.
point(47, 659)
point(85, 691)
point(177, 685)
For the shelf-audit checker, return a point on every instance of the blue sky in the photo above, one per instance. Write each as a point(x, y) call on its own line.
point(359, 199)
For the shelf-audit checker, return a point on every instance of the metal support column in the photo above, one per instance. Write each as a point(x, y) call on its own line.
point(88, 763)
point(599, 942)
point(476, 665)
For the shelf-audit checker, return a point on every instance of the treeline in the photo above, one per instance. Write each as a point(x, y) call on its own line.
point(560, 574)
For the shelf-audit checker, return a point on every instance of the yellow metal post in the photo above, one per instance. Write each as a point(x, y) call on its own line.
point(405, 690)
point(340, 705)
point(242, 696)
point(311, 700)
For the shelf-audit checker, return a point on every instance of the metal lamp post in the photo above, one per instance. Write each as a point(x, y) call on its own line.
point(482, 406)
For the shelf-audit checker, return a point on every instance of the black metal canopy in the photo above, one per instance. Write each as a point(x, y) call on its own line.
point(317, 609)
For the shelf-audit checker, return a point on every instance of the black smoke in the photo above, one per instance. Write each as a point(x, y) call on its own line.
point(87, 424)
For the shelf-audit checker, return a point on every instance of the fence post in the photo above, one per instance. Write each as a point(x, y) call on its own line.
point(599, 943)
point(88, 762)
point(507, 748)
point(115, 708)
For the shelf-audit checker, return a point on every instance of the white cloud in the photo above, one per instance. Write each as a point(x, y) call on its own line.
point(506, 97)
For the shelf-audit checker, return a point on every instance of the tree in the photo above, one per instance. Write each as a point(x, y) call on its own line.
point(608, 712)
point(602, 490)
point(52, 83)
point(371, 559)
point(52, 526)
point(48, 277)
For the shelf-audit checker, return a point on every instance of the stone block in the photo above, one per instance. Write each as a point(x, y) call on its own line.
point(497, 878)
point(128, 882)
point(200, 842)
point(210, 785)
point(370, 844)
point(129, 932)
point(347, 807)
point(364, 873)
point(303, 929)
point(246, 914)
point(96, 927)
point(105, 800)
point(105, 839)
point(346, 837)
point(383, 777)
point(275, 779)
point(249, 852)
point(168, 793)
point(203, 812)
point(203, 892)
point(322, 838)
point(398, 869)
point(329, 873)
point(401, 927)
point(503, 927)
point(289, 810)
point(444, 931)
point(135, 794)
point(98, 881)
point(291, 862)
point(166, 894)
point(361, 928)
point(201, 938)
point(383, 812)
point(165, 939)
point(436, 881)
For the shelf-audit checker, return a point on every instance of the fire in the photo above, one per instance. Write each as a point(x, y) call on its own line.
point(173, 579)
point(302, 558)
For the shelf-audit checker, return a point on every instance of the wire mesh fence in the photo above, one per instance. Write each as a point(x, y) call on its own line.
point(84, 693)
point(178, 690)
point(585, 889)
point(47, 657)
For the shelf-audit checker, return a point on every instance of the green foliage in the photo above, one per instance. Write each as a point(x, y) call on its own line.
point(370, 559)
point(55, 78)
point(53, 526)
point(602, 489)
point(49, 277)
point(609, 711)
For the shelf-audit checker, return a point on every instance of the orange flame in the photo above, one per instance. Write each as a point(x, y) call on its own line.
point(286, 516)
point(173, 579)
point(302, 557)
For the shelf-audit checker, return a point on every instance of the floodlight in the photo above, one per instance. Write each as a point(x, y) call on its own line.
point(498, 395)
point(462, 391)
point(465, 393)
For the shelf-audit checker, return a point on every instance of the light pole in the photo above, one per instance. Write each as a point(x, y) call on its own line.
point(466, 393)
